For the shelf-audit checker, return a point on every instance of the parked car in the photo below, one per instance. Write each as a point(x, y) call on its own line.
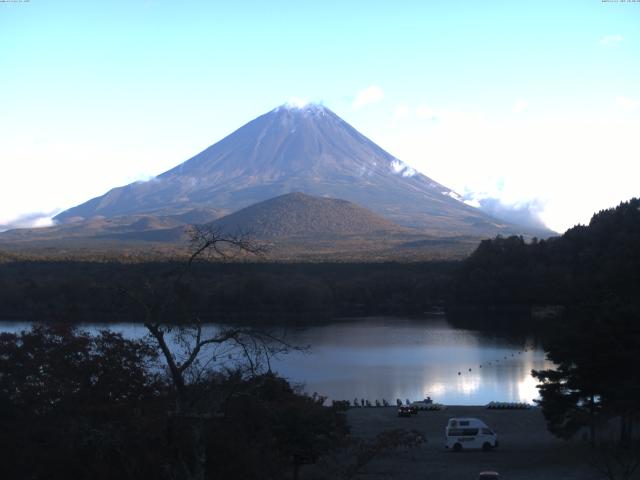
point(405, 411)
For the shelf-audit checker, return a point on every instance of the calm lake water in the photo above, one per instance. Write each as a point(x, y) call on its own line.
point(376, 358)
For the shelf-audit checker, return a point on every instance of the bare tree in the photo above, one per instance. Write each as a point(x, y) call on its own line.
point(184, 344)
point(255, 346)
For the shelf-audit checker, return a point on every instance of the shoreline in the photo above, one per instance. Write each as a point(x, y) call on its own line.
point(527, 451)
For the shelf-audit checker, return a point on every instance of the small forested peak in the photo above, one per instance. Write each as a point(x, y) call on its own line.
point(300, 214)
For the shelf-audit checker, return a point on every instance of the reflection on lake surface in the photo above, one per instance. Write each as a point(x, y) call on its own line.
point(399, 358)
point(376, 358)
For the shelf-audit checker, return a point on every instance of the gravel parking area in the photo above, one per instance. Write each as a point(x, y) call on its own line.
point(526, 450)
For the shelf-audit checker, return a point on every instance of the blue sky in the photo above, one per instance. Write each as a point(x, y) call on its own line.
point(536, 104)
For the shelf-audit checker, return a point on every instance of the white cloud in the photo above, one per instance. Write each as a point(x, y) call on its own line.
point(424, 112)
point(29, 220)
point(521, 212)
point(297, 102)
point(611, 40)
point(401, 112)
point(627, 103)
point(453, 195)
point(398, 166)
point(369, 95)
point(530, 166)
point(520, 106)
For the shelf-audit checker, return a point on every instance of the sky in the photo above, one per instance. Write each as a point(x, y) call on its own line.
point(525, 107)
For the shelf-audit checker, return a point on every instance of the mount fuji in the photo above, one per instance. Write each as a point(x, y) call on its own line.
point(306, 149)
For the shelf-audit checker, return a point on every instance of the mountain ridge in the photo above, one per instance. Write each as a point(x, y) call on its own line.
point(287, 149)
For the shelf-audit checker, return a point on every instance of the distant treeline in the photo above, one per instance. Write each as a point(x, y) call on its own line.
point(588, 281)
point(587, 265)
point(85, 291)
point(594, 261)
point(500, 284)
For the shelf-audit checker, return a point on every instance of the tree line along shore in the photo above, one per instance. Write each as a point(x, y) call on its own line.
point(64, 391)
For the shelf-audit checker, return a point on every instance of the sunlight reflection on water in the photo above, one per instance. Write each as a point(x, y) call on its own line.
point(388, 357)
point(399, 358)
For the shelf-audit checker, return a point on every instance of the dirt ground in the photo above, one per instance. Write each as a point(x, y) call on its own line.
point(526, 450)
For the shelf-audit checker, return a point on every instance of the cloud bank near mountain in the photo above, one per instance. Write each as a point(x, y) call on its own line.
point(29, 220)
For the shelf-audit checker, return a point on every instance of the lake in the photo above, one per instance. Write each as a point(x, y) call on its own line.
point(390, 357)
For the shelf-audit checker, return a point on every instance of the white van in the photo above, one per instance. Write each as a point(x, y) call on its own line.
point(469, 433)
